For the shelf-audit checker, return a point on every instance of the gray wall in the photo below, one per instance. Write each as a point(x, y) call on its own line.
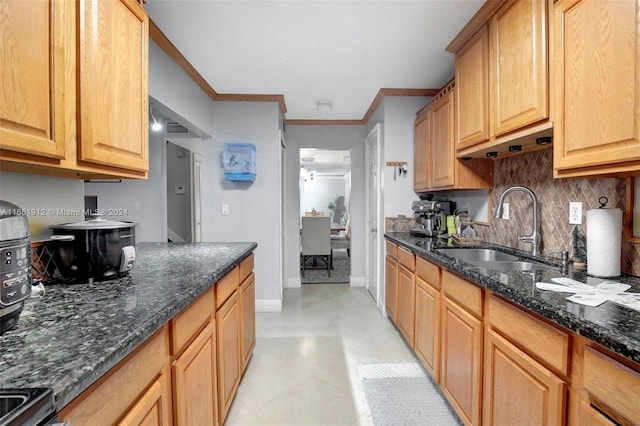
point(325, 137)
point(179, 203)
point(50, 197)
point(254, 209)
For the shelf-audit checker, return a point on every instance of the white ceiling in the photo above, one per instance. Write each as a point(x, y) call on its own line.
point(326, 162)
point(341, 51)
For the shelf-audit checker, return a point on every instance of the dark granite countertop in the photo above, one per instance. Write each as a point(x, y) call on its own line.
point(611, 325)
point(77, 332)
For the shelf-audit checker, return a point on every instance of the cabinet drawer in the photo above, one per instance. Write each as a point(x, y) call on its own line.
point(190, 321)
point(613, 383)
point(467, 294)
point(428, 272)
point(108, 399)
point(246, 266)
point(407, 258)
point(538, 338)
point(392, 249)
point(226, 286)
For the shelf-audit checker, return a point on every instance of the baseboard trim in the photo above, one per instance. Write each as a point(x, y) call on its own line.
point(294, 282)
point(357, 281)
point(268, 305)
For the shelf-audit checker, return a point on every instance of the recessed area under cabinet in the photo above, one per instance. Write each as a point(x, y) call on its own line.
point(58, 118)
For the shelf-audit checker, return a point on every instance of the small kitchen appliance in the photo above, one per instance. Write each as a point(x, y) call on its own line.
point(94, 249)
point(15, 263)
point(432, 215)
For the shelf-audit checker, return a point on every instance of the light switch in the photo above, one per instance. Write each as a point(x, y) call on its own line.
point(225, 209)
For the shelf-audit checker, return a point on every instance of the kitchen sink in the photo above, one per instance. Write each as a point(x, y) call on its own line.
point(510, 265)
point(493, 259)
point(478, 254)
point(26, 406)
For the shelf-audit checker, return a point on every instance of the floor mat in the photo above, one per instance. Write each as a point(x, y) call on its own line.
point(403, 394)
point(340, 273)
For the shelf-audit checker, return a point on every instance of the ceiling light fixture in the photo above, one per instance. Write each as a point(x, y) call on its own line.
point(155, 124)
point(324, 107)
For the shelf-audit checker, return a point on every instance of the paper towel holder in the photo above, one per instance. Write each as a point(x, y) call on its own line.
point(603, 204)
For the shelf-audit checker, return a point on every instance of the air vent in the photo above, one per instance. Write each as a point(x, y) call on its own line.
point(176, 128)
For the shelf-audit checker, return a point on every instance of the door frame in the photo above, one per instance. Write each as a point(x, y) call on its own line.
point(374, 270)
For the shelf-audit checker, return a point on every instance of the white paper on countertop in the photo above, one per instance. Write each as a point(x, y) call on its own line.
point(588, 295)
point(588, 298)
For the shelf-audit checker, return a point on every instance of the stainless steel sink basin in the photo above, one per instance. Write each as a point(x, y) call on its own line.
point(511, 265)
point(478, 254)
point(33, 406)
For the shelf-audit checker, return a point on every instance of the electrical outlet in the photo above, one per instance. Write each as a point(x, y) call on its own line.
point(505, 210)
point(225, 209)
point(575, 213)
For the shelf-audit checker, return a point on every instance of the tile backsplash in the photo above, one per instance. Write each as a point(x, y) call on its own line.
point(535, 171)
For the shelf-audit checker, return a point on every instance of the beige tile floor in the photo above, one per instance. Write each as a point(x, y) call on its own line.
point(304, 370)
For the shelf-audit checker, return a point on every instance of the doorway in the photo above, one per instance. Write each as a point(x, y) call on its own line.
point(373, 267)
point(325, 190)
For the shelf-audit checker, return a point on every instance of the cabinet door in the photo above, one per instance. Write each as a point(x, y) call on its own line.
point(427, 327)
point(195, 381)
point(248, 309)
point(461, 373)
point(113, 116)
point(153, 408)
point(228, 325)
point(421, 136)
point(517, 389)
point(442, 142)
point(391, 288)
point(472, 90)
point(406, 297)
point(519, 66)
point(597, 86)
point(36, 36)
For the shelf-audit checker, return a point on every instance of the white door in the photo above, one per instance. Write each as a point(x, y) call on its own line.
point(373, 213)
point(197, 212)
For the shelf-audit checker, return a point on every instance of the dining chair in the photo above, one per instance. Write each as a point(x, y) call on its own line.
point(342, 241)
point(316, 241)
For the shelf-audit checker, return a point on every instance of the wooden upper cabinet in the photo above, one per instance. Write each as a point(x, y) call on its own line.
point(421, 136)
point(32, 66)
point(597, 87)
point(442, 170)
point(442, 142)
point(519, 68)
point(113, 116)
point(74, 88)
point(472, 94)
point(502, 79)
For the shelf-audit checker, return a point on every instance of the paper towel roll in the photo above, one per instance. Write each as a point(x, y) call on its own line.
point(604, 236)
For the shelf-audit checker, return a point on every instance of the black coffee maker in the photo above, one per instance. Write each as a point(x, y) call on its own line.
point(433, 217)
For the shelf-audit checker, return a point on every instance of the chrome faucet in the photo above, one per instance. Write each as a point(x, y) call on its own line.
point(533, 237)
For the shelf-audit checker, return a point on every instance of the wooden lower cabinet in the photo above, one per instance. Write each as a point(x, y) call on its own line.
point(248, 311)
point(406, 297)
point(108, 401)
point(154, 407)
point(391, 288)
point(427, 327)
point(461, 370)
point(228, 321)
point(517, 389)
point(194, 375)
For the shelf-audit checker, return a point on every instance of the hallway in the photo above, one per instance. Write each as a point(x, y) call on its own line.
point(304, 370)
